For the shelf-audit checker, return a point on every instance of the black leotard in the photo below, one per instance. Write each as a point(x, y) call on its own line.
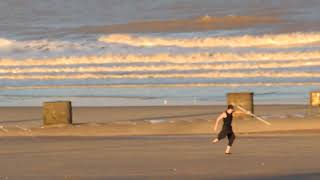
point(227, 121)
point(226, 130)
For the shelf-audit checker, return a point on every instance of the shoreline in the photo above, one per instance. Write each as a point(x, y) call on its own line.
point(265, 134)
point(157, 120)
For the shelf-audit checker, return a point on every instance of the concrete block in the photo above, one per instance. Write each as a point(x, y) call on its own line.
point(55, 113)
point(315, 98)
point(243, 99)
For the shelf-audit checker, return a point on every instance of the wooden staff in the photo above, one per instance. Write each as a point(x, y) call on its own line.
point(253, 115)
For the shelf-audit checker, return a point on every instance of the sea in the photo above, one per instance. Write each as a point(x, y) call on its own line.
point(158, 52)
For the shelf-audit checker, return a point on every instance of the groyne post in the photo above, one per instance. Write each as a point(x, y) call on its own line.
point(55, 113)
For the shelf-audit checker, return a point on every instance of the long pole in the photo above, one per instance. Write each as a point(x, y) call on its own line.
point(253, 115)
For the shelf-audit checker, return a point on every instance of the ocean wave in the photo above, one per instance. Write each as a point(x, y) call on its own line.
point(43, 45)
point(162, 68)
point(155, 85)
point(5, 42)
point(265, 41)
point(165, 57)
point(204, 23)
point(210, 75)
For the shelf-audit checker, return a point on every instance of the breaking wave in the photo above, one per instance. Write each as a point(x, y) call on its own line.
point(166, 58)
point(161, 67)
point(259, 84)
point(5, 42)
point(44, 45)
point(265, 41)
point(214, 75)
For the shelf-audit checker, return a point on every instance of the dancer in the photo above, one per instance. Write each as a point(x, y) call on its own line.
point(226, 130)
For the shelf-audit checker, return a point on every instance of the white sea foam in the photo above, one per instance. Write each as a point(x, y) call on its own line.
point(214, 84)
point(265, 41)
point(42, 46)
point(214, 75)
point(167, 58)
point(162, 68)
point(5, 43)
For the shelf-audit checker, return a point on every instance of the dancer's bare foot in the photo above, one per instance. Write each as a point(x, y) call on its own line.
point(215, 141)
point(228, 150)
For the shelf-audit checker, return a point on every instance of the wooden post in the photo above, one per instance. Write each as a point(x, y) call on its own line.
point(55, 113)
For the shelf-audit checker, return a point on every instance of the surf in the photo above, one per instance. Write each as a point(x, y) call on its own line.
point(287, 40)
point(5, 42)
point(154, 68)
point(296, 56)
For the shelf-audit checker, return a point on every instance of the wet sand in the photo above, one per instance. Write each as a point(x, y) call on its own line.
point(283, 157)
point(157, 120)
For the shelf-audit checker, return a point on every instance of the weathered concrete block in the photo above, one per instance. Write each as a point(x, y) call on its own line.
point(315, 98)
point(59, 112)
point(243, 99)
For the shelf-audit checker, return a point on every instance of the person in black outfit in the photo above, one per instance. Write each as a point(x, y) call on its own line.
point(226, 130)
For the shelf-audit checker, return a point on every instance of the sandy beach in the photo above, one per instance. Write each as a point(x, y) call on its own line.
point(156, 120)
point(160, 157)
point(162, 142)
point(146, 81)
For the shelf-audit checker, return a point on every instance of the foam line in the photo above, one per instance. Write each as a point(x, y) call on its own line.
point(166, 58)
point(245, 41)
